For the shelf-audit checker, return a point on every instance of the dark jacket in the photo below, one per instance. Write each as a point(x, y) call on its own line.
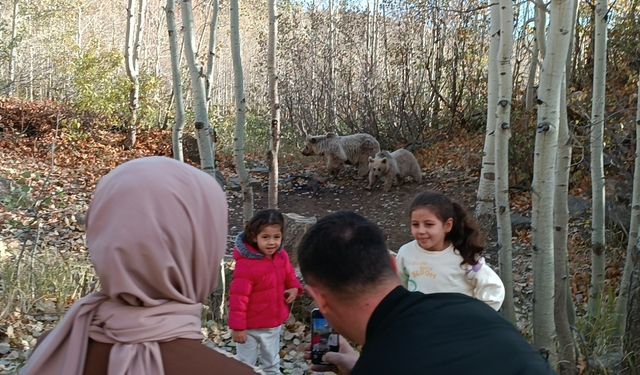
point(443, 334)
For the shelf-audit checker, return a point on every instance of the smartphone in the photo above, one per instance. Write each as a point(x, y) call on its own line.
point(323, 337)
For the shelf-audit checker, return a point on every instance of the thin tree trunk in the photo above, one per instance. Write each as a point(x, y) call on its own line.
point(543, 186)
point(206, 147)
point(176, 79)
point(212, 56)
point(530, 92)
point(13, 54)
point(486, 189)
point(274, 144)
point(502, 135)
point(621, 305)
point(539, 49)
point(632, 337)
point(597, 165)
point(331, 101)
point(243, 174)
point(135, 30)
point(563, 305)
point(566, 344)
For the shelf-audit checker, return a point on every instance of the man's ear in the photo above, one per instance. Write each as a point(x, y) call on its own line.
point(319, 297)
point(394, 263)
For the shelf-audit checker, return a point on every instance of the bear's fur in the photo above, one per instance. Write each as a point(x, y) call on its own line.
point(393, 166)
point(352, 149)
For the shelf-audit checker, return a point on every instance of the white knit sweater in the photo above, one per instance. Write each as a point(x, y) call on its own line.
point(441, 272)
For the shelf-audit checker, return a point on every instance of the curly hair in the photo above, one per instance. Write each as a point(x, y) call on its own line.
point(465, 233)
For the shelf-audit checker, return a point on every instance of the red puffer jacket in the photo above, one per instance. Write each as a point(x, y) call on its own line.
point(256, 297)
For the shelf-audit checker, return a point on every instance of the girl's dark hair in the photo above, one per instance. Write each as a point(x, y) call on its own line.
point(260, 220)
point(465, 234)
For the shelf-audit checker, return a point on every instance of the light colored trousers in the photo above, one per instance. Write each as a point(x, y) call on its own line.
point(263, 344)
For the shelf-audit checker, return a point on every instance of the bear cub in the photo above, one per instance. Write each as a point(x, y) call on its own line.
point(393, 166)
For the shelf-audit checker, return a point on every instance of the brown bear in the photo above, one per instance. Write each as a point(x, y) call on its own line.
point(393, 166)
point(352, 149)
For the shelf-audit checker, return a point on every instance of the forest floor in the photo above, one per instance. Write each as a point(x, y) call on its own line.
point(48, 173)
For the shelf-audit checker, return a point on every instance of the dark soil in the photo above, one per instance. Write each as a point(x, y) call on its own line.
point(387, 209)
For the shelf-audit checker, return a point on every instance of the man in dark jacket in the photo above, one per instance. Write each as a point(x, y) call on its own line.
point(353, 280)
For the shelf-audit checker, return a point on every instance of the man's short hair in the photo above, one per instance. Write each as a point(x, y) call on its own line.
point(345, 253)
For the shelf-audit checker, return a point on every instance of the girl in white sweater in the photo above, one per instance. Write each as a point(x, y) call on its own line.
point(445, 256)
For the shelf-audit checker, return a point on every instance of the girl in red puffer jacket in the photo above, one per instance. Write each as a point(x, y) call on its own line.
point(264, 284)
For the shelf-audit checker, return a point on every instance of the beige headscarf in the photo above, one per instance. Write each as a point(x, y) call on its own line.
point(156, 233)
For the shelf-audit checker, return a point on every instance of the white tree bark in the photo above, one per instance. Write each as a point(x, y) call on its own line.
point(597, 167)
point(331, 97)
point(543, 185)
point(563, 304)
point(486, 189)
point(13, 54)
point(176, 80)
point(135, 31)
point(502, 135)
point(241, 109)
point(566, 345)
point(539, 49)
point(212, 56)
point(631, 341)
point(274, 144)
point(206, 147)
point(621, 303)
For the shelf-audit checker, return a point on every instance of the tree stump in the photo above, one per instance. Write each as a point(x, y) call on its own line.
point(295, 227)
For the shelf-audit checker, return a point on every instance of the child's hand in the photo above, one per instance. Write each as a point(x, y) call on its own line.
point(240, 336)
point(290, 294)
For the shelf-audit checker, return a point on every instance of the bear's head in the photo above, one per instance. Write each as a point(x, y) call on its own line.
point(310, 145)
point(378, 165)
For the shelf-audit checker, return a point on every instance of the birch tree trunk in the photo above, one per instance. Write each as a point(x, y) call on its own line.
point(502, 135)
point(566, 345)
point(206, 148)
point(212, 56)
point(632, 338)
point(622, 302)
point(135, 30)
point(539, 49)
point(486, 189)
point(543, 185)
point(563, 304)
point(243, 174)
point(597, 167)
point(274, 144)
point(331, 97)
point(176, 79)
point(13, 54)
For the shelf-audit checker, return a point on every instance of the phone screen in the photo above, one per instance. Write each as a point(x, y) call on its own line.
point(323, 337)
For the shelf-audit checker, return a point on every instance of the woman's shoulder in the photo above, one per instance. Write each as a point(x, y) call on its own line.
point(184, 356)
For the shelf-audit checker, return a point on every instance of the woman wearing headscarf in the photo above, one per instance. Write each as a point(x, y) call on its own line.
point(156, 233)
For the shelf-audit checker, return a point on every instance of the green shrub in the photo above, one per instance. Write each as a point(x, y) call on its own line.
point(101, 87)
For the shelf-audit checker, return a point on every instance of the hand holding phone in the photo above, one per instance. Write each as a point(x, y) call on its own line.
point(323, 338)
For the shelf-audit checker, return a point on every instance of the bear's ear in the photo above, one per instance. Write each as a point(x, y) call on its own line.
point(331, 135)
point(313, 140)
point(384, 160)
point(370, 159)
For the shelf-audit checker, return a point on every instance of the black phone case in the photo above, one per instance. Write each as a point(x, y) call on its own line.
point(323, 338)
